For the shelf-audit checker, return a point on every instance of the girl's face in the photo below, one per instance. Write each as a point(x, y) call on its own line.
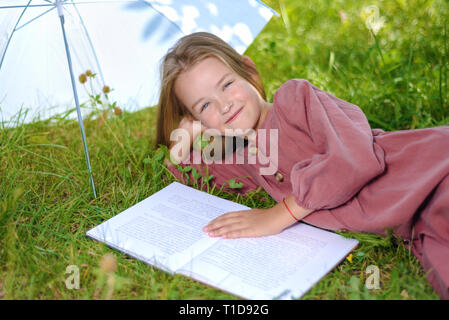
point(219, 97)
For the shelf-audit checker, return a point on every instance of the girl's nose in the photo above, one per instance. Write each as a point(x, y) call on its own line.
point(226, 107)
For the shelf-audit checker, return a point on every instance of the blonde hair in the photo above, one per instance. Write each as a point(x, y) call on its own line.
point(187, 52)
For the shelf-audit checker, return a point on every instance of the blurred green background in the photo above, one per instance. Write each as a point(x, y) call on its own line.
point(388, 57)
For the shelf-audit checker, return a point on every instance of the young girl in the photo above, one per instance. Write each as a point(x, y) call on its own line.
point(332, 170)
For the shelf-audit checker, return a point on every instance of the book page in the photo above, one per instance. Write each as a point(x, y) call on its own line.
point(166, 228)
point(282, 266)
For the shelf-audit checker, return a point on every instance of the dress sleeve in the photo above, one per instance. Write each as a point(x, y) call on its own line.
point(221, 174)
point(346, 156)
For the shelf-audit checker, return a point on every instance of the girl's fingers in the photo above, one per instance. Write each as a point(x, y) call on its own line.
point(214, 226)
point(242, 233)
point(226, 230)
point(221, 220)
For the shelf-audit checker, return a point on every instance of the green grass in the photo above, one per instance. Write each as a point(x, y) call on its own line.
point(399, 77)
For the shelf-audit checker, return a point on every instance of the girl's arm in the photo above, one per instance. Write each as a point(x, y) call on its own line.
point(257, 222)
point(346, 156)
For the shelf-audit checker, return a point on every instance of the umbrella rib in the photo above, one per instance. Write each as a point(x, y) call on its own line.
point(13, 30)
point(27, 6)
point(75, 95)
point(268, 7)
point(90, 43)
point(23, 25)
point(51, 4)
point(163, 15)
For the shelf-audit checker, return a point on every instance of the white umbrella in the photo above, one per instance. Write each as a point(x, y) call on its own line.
point(46, 44)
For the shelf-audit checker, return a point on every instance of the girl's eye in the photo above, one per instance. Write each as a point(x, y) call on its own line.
point(227, 84)
point(204, 106)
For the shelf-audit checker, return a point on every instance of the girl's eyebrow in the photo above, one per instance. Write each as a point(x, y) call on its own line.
point(222, 78)
point(218, 83)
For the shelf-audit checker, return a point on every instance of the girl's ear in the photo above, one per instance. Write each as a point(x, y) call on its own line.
point(253, 70)
point(248, 61)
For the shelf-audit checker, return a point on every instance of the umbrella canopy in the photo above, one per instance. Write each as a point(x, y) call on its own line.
point(121, 41)
point(44, 44)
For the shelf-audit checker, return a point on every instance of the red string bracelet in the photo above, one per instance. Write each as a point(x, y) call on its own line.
point(283, 200)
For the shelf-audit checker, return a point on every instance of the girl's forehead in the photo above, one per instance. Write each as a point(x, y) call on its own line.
point(202, 75)
point(210, 65)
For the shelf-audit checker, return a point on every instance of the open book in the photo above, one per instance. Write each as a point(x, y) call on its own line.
point(165, 230)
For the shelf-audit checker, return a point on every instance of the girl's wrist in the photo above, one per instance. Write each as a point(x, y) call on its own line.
point(179, 151)
point(291, 212)
point(283, 218)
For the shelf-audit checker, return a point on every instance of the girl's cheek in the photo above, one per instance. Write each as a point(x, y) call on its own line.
point(241, 91)
point(211, 122)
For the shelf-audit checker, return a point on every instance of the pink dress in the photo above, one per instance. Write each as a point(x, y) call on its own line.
point(355, 178)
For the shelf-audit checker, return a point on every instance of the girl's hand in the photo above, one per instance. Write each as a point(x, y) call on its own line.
point(250, 223)
point(186, 123)
point(179, 150)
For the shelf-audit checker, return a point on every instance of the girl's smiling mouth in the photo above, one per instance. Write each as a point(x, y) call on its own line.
point(235, 115)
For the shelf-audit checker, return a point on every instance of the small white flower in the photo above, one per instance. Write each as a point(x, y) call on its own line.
point(373, 20)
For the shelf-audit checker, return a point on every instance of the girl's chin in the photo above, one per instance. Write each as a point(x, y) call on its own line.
point(243, 133)
point(232, 132)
